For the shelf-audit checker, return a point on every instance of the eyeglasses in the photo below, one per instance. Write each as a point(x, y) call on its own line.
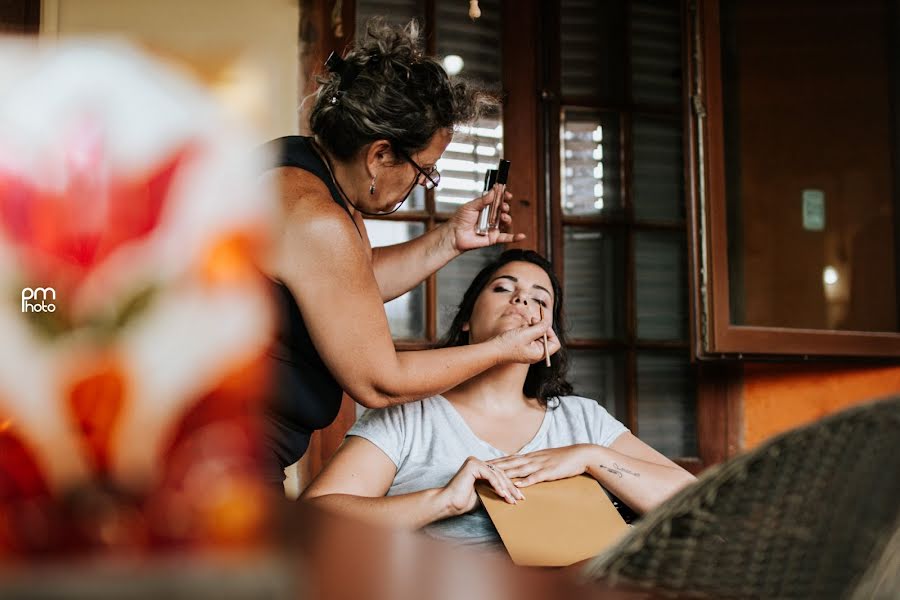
point(432, 176)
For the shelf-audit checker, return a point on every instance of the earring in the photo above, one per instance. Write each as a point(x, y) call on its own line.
point(372, 187)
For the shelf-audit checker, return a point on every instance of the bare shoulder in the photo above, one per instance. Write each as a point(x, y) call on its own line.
point(310, 217)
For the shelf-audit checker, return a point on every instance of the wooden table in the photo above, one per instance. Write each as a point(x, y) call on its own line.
point(313, 555)
point(340, 559)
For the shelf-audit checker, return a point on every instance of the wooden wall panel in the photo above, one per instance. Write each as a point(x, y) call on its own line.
point(778, 397)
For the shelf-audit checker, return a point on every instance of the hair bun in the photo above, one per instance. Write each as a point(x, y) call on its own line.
point(398, 44)
point(397, 93)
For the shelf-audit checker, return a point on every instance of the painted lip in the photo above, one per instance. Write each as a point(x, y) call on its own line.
point(517, 313)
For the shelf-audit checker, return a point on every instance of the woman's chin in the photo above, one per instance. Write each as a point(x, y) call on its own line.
point(395, 204)
point(380, 207)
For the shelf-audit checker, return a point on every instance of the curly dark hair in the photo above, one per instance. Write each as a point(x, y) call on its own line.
point(399, 95)
point(542, 382)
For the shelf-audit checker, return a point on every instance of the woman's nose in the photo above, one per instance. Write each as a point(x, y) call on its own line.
point(520, 300)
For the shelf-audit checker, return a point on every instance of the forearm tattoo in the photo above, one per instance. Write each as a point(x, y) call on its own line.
point(618, 470)
point(624, 470)
point(615, 472)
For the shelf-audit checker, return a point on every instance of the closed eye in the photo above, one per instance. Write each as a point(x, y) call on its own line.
point(500, 288)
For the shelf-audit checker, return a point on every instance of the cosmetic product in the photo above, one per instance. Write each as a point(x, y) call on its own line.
point(484, 219)
point(499, 193)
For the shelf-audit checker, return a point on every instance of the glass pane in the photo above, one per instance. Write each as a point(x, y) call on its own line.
point(656, 52)
point(394, 12)
point(601, 377)
point(811, 153)
point(590, 182)
point(658, 170)
point(473, 151)
point(661, 285)
point(454, 279)
point(406, 314)
point(591, 44)
point(471, 48)
point(594, 282)
point(667, 418)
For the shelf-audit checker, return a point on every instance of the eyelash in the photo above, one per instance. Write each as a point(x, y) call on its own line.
point(500, 288)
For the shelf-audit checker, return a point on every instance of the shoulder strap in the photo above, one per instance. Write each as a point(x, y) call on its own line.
point(299, 151)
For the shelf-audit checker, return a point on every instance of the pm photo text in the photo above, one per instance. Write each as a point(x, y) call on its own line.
point(42, 299)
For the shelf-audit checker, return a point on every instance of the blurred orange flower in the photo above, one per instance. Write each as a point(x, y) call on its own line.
point(134, 319)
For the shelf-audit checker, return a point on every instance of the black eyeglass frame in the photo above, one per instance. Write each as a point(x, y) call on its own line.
point(427, 175)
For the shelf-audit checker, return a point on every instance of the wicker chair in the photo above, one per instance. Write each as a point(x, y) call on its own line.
point(813, 513)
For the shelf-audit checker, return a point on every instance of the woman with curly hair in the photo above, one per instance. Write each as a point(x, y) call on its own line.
point(381, 119)
point(512, 426)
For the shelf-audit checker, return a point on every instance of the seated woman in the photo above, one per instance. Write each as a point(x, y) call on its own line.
point(415, 465)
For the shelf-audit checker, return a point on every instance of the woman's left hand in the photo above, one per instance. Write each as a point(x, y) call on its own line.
point(461, 226)
point(545, 465)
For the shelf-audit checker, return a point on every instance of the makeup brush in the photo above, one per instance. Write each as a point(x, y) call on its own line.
point(546, 349)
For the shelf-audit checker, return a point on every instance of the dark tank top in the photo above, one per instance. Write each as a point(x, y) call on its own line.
point(304, 396)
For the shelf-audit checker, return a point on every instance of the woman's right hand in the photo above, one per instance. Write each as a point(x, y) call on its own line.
point(525, 344)
point(459, 494)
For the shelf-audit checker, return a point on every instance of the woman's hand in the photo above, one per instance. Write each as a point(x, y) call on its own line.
point(545, 465)
point(525, 344)
point(459, 494)
point(460, 230)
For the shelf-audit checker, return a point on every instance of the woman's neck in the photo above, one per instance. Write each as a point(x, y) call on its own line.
point(342, 174)
point(497, 390)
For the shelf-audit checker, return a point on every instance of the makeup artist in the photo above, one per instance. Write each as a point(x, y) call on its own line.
point(381, 119)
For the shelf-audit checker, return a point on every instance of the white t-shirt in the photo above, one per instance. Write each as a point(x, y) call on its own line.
point(429, 441)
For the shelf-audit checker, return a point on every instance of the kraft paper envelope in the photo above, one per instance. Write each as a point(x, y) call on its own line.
point(559, 522)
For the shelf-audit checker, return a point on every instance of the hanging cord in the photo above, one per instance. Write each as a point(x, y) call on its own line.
point(324, 156)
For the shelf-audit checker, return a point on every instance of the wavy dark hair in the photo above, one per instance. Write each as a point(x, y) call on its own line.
point(542, 382)
point(398, 94)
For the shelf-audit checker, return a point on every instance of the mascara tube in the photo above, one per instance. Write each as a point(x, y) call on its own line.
point(484, 219)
